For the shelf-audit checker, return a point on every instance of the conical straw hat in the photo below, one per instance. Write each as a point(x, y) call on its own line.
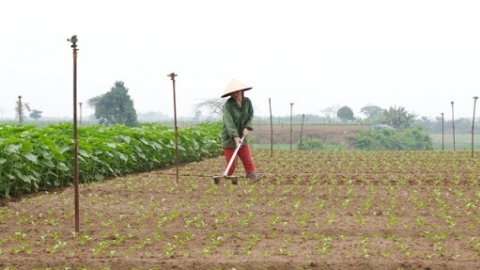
point(233, 86)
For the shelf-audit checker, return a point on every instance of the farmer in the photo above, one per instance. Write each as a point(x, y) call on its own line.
point(237, 122)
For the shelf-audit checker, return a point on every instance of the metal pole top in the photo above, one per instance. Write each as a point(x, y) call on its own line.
point(74, 41)
point(172, 75)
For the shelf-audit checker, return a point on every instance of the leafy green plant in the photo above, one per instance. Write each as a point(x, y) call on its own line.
point(312, 144)
point(389, 139)
point(34, 158)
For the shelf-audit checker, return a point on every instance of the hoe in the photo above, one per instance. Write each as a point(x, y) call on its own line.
point(225, 175)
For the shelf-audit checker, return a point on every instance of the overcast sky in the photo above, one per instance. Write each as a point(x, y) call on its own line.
point(316, 54)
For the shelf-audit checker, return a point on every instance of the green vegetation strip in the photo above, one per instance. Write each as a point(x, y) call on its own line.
point(33, 158)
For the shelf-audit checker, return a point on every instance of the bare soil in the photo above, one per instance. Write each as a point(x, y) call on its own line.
point(336, 210)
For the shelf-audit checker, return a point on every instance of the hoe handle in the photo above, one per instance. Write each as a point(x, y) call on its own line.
point(233, 157)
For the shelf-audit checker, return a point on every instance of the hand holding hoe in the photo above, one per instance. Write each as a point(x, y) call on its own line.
point(225, 175)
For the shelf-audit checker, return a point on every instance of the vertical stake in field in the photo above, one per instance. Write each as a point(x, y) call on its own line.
point(473, 121)
point(20, 110)
point(453, 127)
point(74, 40)
point(80, 112)
point(301, 131)
point(443, 131)
point(291, 128)
point(172, 76)
point(271, 127)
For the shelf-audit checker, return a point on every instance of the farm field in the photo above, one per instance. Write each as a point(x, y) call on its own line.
point(337, 136)
point(309, 210)
point(329, 134)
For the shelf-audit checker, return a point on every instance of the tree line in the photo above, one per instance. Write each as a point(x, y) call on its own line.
point(117, 107)
point(113, 107)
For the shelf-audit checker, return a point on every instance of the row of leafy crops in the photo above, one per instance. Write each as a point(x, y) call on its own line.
point(33, 158)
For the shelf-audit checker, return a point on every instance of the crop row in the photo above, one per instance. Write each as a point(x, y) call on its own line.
point(33, 158)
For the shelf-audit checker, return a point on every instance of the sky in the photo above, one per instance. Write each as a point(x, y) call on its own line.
point(420, 55)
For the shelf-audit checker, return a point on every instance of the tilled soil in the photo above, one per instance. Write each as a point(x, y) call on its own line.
point(308, 210)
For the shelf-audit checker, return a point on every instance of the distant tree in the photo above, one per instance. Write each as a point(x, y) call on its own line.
point(214, 105)
point(36, 114)
point(398, 117)
point(330, 111)
point(372, 112)
point(115, 107)
point(345, 113)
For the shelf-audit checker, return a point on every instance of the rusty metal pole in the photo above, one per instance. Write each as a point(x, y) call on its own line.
point(443, 131)
point(271, 127)
point(453, 127)
point(291, 128)
point(80, 113)
point(20, 110)
point(74, 40)
point(172, 76)
point(473, 122)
